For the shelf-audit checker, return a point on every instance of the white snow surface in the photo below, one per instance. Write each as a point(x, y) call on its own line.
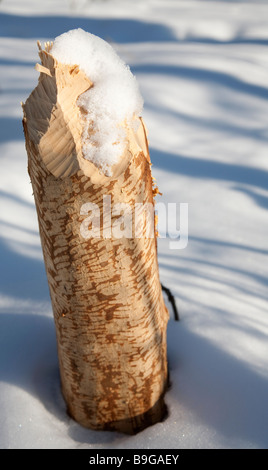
point(112, 101)
point(202, 70)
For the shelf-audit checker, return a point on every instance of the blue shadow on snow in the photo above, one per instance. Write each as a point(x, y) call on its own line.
point(209, 169)
point(117, 30)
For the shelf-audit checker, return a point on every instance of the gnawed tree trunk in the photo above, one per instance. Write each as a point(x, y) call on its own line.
point(106, 295)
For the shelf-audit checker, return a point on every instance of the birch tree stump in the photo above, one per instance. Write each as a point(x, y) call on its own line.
point(106, 295)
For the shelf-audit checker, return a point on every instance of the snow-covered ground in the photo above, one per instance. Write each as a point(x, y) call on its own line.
point(202, 68)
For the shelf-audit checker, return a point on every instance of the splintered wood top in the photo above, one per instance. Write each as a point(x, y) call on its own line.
point(55, 122)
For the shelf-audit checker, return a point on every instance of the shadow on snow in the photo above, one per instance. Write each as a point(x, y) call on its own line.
point(116, 30)
point(209, 169)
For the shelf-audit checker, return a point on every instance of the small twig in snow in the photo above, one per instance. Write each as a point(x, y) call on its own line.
point(172, 301)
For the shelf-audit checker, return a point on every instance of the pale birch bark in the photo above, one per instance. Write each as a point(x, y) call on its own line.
point(106, 295)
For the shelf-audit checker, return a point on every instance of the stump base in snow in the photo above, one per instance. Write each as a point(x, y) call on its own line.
point(157, 414)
